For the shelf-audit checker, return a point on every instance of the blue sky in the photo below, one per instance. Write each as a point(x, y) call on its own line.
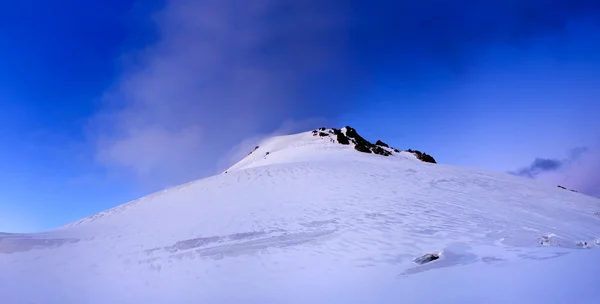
point(105, 102)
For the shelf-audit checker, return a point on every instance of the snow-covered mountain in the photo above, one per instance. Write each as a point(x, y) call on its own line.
point(321, 217)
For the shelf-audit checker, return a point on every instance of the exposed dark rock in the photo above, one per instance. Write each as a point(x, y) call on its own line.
point(253, 150)
point(380, 143)
point(427, 258)
point(424, 157)
point(362, 148)
point(365, 146)
point(559, 186)
point(361, 144)
point(350, 132)
point(427, 158)
point(342, 139)
point(381, 151)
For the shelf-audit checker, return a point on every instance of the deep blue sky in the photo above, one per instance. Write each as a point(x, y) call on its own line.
point(105, 102)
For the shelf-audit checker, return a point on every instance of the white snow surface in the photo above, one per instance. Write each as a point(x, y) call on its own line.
point(318, 222)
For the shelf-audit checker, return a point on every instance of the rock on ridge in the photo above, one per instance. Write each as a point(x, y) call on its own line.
point(349, 135)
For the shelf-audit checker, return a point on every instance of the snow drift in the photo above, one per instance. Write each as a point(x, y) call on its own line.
point(305, 219)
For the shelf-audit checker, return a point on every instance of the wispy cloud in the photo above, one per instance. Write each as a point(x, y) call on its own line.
point(220, 73)
point(225, 72)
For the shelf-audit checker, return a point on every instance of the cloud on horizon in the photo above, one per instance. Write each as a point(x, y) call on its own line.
point(580, 171)
point(539, 166)
point(223, 74)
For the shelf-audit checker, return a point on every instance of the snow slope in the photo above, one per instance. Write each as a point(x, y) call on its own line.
point(314, 221)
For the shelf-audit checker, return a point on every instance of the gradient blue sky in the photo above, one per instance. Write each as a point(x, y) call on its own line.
point(103, 102)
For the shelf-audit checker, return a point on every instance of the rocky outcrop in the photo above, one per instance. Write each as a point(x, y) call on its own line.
point(559, 186)
point(362, 145)
point(253, 150)
point(423, 156)
point(380, 143)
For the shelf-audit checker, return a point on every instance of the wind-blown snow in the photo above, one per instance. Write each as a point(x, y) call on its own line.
point(314, 221)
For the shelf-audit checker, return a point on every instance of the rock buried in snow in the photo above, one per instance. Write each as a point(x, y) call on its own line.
point(583, 244)
point(427, 258)
point(549, 240)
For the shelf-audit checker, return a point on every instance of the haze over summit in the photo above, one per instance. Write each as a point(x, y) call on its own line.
point(104, 103)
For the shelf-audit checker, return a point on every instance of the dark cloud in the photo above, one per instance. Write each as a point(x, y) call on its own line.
point(540, 165)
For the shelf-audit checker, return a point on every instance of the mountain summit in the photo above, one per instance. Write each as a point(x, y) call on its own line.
point(323, 216)
point(320, 144)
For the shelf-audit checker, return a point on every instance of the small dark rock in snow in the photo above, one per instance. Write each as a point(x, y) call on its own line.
point(427, 258)
point(322, 134)
point(562, 187)
point(253, 150)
